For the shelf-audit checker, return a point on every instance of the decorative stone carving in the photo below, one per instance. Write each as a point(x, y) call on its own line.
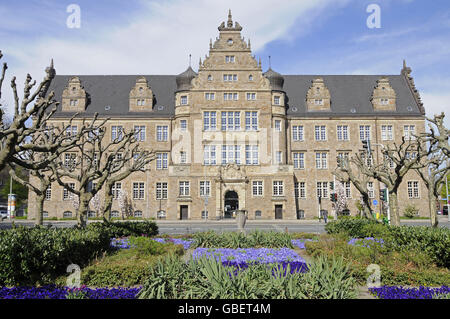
point(74, 97)
point(232, 171)
point(383, 96)
point(406, 72)
point(141, 96)
point(318, 97)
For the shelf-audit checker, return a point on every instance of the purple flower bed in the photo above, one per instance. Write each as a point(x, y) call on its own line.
point(300, 243)
point(366, 242)
point(394, 292)
point(241, 258)
point(122, 243)
point(55, 292)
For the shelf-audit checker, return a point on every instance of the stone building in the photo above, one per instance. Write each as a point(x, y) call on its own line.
point(231, 136)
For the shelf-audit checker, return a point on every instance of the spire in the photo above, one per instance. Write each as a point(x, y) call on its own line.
point(270, 63)
point(210, 43)
point(230, 19)
point(249, 46)
point(200, 63)
point(405, 70)
point(190, 56)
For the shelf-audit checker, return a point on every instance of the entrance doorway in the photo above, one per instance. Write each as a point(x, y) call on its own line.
point(184, 211)
point(231, 204)
point(278, 211)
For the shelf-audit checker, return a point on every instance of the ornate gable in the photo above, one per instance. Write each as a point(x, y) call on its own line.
point(141, 96)
point(74, 97)
point(318, 97)
point(383, 96)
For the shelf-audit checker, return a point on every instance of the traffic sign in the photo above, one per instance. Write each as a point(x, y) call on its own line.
point(375, 202)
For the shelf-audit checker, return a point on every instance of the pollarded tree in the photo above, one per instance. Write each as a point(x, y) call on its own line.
point(442, 139)
point(97, 162)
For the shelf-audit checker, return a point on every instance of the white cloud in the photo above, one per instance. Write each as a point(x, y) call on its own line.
point(436, 103)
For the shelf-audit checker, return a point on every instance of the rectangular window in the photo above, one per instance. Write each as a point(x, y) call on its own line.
point(348, 189)
point(276, 100)
point(209, 155)
point(251, 121)
point(210, 96)
point(321, 161)
point(409, 131)
point(300, 190)
point(278, 189)
point(278, 157)
point(251, 154)
point(182, 157)
point(184, 100)
point(278, 125)
point(162, 161)
point(138, 190)
point(386, 133)
point(299, 160)
point(321, 133)
point(48, 192)
point(257, 188)
point(413, 189)
point(364, 132)
point(205, 188)
point(116, 132)
point(343, 156)
point(183, 125)
point(161, 190)
point(184, 188)
point(72, 130)
point(342, 133)
point(139, 133)
point(162, 133)
point(117, 187)
point(209, 121)
point(231, 154)
point(67, 195)
point(231, 121)
point(371, 190)
point(297, 133)
point(322, 189)
point(251, 96)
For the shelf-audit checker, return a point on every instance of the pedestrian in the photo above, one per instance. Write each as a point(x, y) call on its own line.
point(325, 216)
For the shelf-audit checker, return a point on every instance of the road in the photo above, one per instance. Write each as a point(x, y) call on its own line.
point(189, 227)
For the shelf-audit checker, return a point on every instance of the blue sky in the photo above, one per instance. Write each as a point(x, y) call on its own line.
point(303, 37)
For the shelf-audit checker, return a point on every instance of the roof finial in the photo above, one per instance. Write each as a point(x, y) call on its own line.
point(249, 46)
point(190, 56)
point(270, 63)
point(230, 20)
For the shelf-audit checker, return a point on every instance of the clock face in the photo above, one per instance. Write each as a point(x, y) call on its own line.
point(230, 41)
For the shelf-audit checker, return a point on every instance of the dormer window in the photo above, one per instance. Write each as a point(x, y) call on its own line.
point(229, 59)
point(383, 96)
point(230, 41)
point(141, 89)
point(318, 102)
point(141, 96)
point(318, 96)
point(140, 102)
point(73, 102)
point(384, 101)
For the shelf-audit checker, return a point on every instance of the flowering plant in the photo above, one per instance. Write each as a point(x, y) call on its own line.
point(366, 242)
point(394, 292)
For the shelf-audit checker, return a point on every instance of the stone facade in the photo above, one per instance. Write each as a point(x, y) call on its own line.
point(230, 135)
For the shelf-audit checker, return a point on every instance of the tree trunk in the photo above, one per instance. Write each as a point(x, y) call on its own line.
point(432, 201)
point(38, 215)
point(394, 210)
point(108, 205)
point(83, 209)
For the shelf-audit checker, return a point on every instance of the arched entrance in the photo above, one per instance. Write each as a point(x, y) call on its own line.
point(231, 203)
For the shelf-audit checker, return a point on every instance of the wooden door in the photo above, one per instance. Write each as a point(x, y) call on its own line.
point(184, 212)
point(278, 211)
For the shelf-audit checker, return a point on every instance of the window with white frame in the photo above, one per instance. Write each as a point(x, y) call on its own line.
point(182, 157)
point(278, 157)
point(300, 190)
point(116, 188)
point(251, 155)
point(231, 154)
point(320, 132)
point(116, 132)
point(318, 101)
point(229, 59)
point(162, 160)
point(250, 77)
point(257, 188)
point(364, 132)
point(161, 190)
point(210, 96)
point(115, 214)
point(384, 101)
point(67, 214)
point(138, 190)
point(183, 125)
point(73, 102)
point(297, 133)
point(370, 190)
point(230, 96)
point(322, 189)
point(138, 214)
point(251, 96)
point(205, 188)
point(342, 132)
point(139, 133)
point(251, 120)
point(231, 121)
point(299, 160)
point(348, 189)
point(184, 188)
point(162, 133)
point(278, 125)
point(343, 156)
point(413, 189)
point(278, 189)
point(276, 100)
point(386, 133)
point(70, 160)
point(209, 121)
point(230, 77)
point(48, 192)
point(321, 160)
point(409, 131)
point(209, 154)
point(71, 130)
point(184, 100)
point(389, 162)
point(68, 195)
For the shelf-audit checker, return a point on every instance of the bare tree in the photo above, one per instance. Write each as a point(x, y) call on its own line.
point(97, 162)
point(442, 138)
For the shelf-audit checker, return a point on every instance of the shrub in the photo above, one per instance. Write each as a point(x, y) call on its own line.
point(353, 227)
point(410, 211)
point(39, 254)
point(128, 228)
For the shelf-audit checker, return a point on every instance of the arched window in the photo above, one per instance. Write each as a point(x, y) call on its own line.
point(115, 213)
point(250, 77)
point(138, 213)
point(67, 214)
point(210, 77)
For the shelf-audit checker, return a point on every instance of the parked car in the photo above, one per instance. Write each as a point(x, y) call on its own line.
point(3, 214)
point(445, 210)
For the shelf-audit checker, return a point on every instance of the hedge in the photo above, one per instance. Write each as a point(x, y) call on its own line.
point(127, 228)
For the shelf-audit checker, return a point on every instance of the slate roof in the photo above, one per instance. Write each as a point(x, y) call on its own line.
point(347, 92)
